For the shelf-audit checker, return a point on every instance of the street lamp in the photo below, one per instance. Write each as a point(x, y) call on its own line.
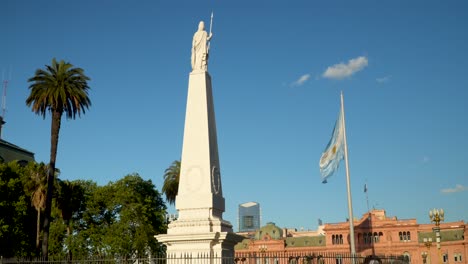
point(263, 249)
point(436, 217)
point(428, 244)
point(424, 256)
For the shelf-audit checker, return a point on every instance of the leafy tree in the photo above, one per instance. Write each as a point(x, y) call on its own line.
point(17, 217)
point(57, 235)
point(70, 201)
point(83, 224)
point(140, 213)
point(58, 89)
point(171, 181)
point(120, 220)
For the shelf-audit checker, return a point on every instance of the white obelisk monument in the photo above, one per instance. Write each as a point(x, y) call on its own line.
point(200, 230)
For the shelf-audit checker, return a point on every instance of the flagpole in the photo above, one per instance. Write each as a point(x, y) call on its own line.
point(350, 204)
point(367, 199)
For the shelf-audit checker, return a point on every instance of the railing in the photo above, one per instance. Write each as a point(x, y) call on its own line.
point(317, 258)
point(259, 258)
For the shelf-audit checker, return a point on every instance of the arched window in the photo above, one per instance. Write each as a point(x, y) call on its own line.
point(341, 239)
point(407, 256)
point(405, 236)
point(376, 237)
point(445, 257)
point(457, 257)
point(333, 239)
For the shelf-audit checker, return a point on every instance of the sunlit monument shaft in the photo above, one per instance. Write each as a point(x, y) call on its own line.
point(200, 229)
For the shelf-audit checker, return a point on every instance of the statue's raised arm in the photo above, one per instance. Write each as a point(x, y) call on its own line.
point(200, 49)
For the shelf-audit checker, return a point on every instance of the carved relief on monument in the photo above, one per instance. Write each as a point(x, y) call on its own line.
point(195, 178)
point(216, 179)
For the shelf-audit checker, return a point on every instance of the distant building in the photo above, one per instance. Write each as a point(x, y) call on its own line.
point(249, 217)
point(10, 152)
point(375, 235)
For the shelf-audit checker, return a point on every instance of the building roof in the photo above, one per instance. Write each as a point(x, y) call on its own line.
point(311, 241)
point(270, 230)
point(249, 204)
point(10, 152)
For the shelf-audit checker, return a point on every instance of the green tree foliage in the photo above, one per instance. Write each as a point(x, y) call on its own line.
point(73, 228)
point(17, 216)
point(70, 202)
point(171, 181)
point(118, 220)
point(58, 89)
point(57, 236)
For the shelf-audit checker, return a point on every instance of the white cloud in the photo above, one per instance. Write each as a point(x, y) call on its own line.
point(384, 79)
point(458, 188)
point(304, 78)
point(341, 70)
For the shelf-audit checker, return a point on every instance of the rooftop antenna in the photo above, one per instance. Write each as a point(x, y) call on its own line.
point(5, 87)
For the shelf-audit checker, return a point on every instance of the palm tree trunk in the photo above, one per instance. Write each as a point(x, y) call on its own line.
point(68, 239)
point(38, 232)
point(55, 129)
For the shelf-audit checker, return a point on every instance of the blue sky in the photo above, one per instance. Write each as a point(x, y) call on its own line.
point(277, 70)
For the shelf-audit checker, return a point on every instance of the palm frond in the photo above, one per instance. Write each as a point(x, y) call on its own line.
point(61, 88)
point(171, 181)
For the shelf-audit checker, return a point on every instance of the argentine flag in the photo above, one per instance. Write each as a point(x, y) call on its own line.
point(334, 152)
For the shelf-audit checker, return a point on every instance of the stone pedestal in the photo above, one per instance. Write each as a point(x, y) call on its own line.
point(200, 230)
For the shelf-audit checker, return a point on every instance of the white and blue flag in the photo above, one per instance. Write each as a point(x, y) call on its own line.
point(334, 152)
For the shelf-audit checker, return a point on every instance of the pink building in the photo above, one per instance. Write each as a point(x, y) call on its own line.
point(375, 235)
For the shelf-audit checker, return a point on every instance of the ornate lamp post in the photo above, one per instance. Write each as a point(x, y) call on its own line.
point(428, 244)
point(436, 217)
point(424, 256)
point(263, 249)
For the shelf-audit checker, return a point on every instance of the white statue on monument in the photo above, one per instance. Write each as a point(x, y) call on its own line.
point(201, 47)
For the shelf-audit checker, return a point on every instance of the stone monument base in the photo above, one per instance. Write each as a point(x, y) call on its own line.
point(215, 246)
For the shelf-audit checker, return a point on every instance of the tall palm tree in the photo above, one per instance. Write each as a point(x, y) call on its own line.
point(58, 89)
point(171, 181)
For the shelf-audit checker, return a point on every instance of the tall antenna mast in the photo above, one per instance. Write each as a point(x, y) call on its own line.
point(5, 87)
point(367, 196)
